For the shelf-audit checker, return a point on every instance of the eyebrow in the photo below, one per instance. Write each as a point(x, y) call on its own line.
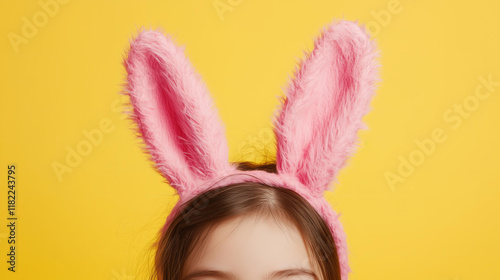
point(279, 274)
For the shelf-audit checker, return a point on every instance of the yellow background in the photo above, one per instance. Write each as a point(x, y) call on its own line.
point(440, 222)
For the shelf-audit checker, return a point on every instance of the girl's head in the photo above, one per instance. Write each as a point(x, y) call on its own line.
point(249, 230)
point(315, 127)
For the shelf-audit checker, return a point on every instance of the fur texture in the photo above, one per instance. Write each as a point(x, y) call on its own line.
point(174, 113)
point(315, 125)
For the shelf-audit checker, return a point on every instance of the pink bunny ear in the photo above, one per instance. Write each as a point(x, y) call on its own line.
point(316, 125)
point(174, 113)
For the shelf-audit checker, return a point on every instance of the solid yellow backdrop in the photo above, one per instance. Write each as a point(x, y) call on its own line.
point(418, 200)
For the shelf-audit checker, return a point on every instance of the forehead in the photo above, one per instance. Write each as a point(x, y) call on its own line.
point(251, 248)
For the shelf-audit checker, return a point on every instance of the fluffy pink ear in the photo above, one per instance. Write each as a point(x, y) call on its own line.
point(317, 123)
point(174, 113)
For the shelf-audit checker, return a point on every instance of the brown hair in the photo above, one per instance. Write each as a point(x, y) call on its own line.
point(190, 227)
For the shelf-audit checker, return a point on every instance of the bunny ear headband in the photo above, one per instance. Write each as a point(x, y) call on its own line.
point(315, 127)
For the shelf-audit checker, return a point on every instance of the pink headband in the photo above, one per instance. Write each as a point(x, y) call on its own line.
point(315, 127)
